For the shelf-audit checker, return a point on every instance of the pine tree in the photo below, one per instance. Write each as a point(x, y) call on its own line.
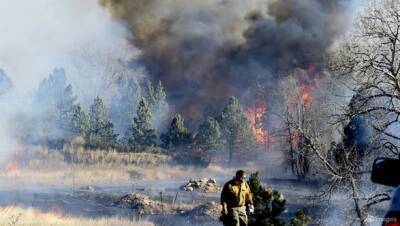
point(300, 219)
point(159, 93)
point(56, 99)
point(177, 135)
point(156, 98)
point(101, 129)
point(124, 103)
point(150, 94)
point(65, 109)
point(235, 127)
point(269, 204)
point(79, 122)
point(209, 138)
point(141, 131)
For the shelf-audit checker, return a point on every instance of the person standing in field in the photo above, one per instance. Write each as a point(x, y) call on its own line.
point(236, 201)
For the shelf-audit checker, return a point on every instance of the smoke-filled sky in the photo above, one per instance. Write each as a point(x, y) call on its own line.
point(37, 36)
point(80, 36)
point(207, 50)
point(203, 50)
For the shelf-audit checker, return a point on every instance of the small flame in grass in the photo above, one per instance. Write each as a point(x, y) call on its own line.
point(55, 213)
point(6, 208)
point(11, 167)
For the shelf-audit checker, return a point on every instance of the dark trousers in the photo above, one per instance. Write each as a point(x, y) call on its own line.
point(237, 216)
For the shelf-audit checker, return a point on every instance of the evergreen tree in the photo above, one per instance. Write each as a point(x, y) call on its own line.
point(269, 204)
point(235, 127)
point(159, 93)
point(209, 138)
point(161, 106)
point(141, 131)
point(57, 100)
point(150, 94)
point(79, 122)
point(300, 219)
point(101, 129)
point(65, 109)
point(177, 135)
point(124, 102)
point(156, 98)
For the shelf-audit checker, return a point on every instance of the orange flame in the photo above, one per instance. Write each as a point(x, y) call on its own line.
point(256, 116)
point(307, 79)
point(55, 212)
point(306, 94)
point(11, 167)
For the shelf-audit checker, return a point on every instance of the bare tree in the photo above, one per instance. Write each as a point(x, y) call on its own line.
point(296, 121)
point(332, 152)
point(370, 59)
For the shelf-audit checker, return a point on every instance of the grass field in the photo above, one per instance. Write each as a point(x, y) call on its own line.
point(79, 167)
point(15, 216)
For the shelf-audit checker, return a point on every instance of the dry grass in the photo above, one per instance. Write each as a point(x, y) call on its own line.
point(15, 216)
point(79, 167)
point(80, 156)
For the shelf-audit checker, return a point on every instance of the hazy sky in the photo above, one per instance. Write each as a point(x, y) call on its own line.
point(78, 35)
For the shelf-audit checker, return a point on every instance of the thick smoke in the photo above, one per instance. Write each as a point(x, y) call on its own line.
point(38, 36)
point(204, 51)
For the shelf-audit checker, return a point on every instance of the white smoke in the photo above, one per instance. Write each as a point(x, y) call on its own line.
point(37, 36)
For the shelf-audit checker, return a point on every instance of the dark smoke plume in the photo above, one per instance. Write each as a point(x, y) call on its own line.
point(207, 50)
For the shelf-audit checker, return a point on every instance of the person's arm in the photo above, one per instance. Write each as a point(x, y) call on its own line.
point(224, 194)
point(249, 195)
point(224, 200)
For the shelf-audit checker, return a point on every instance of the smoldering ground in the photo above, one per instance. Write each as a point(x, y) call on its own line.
point(205, 51)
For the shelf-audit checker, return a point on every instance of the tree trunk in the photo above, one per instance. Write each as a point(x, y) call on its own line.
point(360, 213)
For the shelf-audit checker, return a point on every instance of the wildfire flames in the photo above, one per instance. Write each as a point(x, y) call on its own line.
point(256, 114)
point(11, 167)
point(308, 79)
point(306, 94)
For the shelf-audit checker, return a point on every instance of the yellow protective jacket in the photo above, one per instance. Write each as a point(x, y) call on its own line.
point(236, 195)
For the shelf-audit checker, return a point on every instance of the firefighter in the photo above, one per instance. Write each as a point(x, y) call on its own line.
point(236, 201)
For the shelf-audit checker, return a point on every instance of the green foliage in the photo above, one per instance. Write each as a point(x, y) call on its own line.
point(209, 138)
point(56, 99)
point(235, 127)
point(101, 129)
point(300, 219)
point(141, 132)
point(156, 98)
point(269, 204)
point(150, 94)
point(124, 102)
point(177, 135)
point(159, 93)
point(79, 122)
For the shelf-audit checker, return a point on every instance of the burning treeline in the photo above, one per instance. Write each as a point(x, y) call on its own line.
point(203, 53)
point(219, 80)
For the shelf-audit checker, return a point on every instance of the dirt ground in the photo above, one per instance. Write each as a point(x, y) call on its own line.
point(179, 207)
